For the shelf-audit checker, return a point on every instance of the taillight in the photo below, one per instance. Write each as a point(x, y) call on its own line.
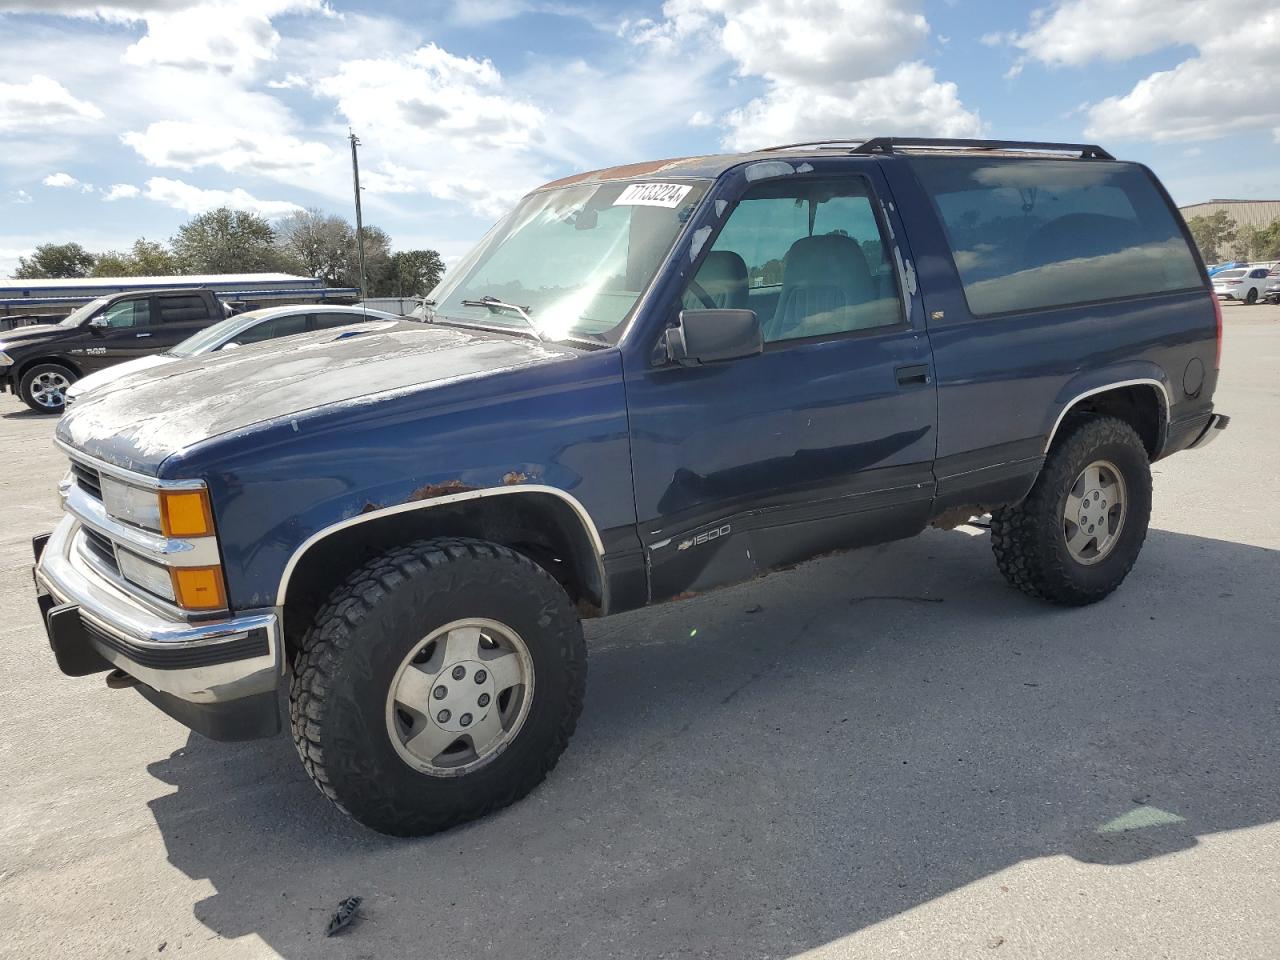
point(1234, 283)
point(1217, 319)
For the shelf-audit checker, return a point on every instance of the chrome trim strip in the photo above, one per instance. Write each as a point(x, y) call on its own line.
point(583, 516)
point(1164, 394)
point(198, 552)
point(1217, 423)
point(127, 476)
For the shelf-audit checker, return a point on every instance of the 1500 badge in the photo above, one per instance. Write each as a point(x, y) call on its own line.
point(705, 537)
point(91, 351)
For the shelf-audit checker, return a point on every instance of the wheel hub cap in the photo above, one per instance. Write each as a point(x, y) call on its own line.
point(50, 389)
point(1094, 512)
point(460, 697)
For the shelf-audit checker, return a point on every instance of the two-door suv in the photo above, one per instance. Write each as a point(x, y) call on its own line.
point(644, 382)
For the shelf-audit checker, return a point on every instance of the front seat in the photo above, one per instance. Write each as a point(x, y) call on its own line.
point(723, 276)
point(823, 279)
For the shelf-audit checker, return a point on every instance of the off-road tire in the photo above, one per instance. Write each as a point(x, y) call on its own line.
point(1027, 538)
point(357, 641)
point(28, 378)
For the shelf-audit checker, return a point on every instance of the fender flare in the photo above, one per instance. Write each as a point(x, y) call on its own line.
point(1077, 391)
point(584, 517)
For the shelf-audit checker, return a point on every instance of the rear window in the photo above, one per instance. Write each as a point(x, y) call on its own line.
point(1230, 274)
point(1030, 234)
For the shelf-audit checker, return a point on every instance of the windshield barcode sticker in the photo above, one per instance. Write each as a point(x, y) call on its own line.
point(652, 195)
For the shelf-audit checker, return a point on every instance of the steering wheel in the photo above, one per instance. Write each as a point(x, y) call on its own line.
point(697, 290)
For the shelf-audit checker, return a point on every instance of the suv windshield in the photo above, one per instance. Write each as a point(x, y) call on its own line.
point(80, 314)
point(575, 258)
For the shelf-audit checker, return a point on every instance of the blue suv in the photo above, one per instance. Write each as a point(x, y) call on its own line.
point(645, 382)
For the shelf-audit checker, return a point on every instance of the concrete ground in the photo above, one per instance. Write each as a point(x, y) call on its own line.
point(884, 754)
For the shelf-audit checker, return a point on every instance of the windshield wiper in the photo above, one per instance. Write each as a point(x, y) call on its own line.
point(494, 305)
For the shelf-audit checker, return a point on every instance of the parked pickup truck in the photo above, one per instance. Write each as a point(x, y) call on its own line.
point(39, 362)
point(645, 382)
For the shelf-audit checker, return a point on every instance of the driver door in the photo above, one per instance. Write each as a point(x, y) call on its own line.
point(824, 441)
point(120, 332)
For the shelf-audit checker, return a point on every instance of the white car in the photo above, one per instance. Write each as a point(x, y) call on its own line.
point(1243, 283)
point(255, 326)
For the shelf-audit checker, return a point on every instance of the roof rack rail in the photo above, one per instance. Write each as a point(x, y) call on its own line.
point(825, 144)
point(1087, 151)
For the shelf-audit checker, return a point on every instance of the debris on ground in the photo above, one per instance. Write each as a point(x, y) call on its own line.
point(346, 914)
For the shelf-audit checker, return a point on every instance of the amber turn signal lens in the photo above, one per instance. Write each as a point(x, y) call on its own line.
point(185, 513)
point(199, 588)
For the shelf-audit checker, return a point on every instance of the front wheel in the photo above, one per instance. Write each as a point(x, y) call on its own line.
point(44, 387)
point(1078, 533)
point(1251, 297)
point(441, 682)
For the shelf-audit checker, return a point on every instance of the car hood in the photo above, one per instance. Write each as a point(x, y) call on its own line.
point(170, 408)
point(113, 375)
point(36, 333)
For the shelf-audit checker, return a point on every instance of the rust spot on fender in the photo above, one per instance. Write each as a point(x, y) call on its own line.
point(515, 477)
point(433, 490)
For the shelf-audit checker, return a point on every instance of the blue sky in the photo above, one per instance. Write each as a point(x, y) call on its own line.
point(125, 118)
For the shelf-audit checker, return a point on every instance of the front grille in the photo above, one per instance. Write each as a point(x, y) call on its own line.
point(101, 548)
point(87, 479)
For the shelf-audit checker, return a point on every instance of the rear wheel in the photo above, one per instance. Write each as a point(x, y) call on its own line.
point(1078, 533)
point(43, 388)
point(442, 681)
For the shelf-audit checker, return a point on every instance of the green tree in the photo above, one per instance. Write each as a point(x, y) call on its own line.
point(52, 261)
point(146, 259)
point(413, 273)
point(1213, 234)
point(321, 245)
point(227, 241)
point(1261, 243)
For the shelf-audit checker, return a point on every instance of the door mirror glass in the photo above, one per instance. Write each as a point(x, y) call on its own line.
point(710, 336)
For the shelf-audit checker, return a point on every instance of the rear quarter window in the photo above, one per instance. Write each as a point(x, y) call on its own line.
point(1031, 234)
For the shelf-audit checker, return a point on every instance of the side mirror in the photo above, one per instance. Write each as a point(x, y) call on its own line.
point(710, 336)
point(98, 323)
point(230, 345)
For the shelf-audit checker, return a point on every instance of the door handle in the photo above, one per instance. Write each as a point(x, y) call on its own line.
point(915, 375)
point(142, 334)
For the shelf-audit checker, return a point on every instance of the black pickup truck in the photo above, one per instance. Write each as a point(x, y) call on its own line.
point(39, 362)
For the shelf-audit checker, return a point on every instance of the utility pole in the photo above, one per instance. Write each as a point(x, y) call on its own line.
point(355, 175)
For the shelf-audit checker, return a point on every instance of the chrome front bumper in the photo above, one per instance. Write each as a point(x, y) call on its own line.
point(219, 677)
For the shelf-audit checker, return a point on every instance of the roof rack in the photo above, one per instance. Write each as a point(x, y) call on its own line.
point(1086, 151)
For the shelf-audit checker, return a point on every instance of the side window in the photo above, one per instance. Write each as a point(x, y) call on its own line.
point(128, 313)
point(1259, 273)
point(325, 321)
point(1029, 234)
point(182, 309)
point(808, 256)
point(276, 327)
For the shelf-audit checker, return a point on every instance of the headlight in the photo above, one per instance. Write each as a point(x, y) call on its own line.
point(5, 359)
point(149, 576)
point(131, 504)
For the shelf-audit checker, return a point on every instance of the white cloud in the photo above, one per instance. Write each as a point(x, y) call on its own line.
point(701, 118)
point(1219, 90)
point(831, 68)
point(477, 141)
point(19, 196)
point(41, 102)
point(191, 199)
point(185, 145)
point(60, 180)
point(120, 191)
point(908, 100)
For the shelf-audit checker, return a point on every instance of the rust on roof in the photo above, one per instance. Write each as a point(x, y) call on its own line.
point(631, 171)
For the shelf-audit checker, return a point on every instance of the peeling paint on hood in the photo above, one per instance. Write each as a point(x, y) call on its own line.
point(171, 408)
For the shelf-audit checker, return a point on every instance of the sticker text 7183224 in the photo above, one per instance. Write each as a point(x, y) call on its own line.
point(652, 195)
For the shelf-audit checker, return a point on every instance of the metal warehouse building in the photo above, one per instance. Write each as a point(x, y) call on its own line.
point(1246, 213)
point(52, 298)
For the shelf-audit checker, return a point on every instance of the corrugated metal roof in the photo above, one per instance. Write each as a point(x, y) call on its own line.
point(203, 280)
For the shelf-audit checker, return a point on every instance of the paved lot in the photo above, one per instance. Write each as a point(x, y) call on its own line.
point(896, 755)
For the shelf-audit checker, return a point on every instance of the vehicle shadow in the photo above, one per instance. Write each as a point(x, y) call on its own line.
point(776, 766)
